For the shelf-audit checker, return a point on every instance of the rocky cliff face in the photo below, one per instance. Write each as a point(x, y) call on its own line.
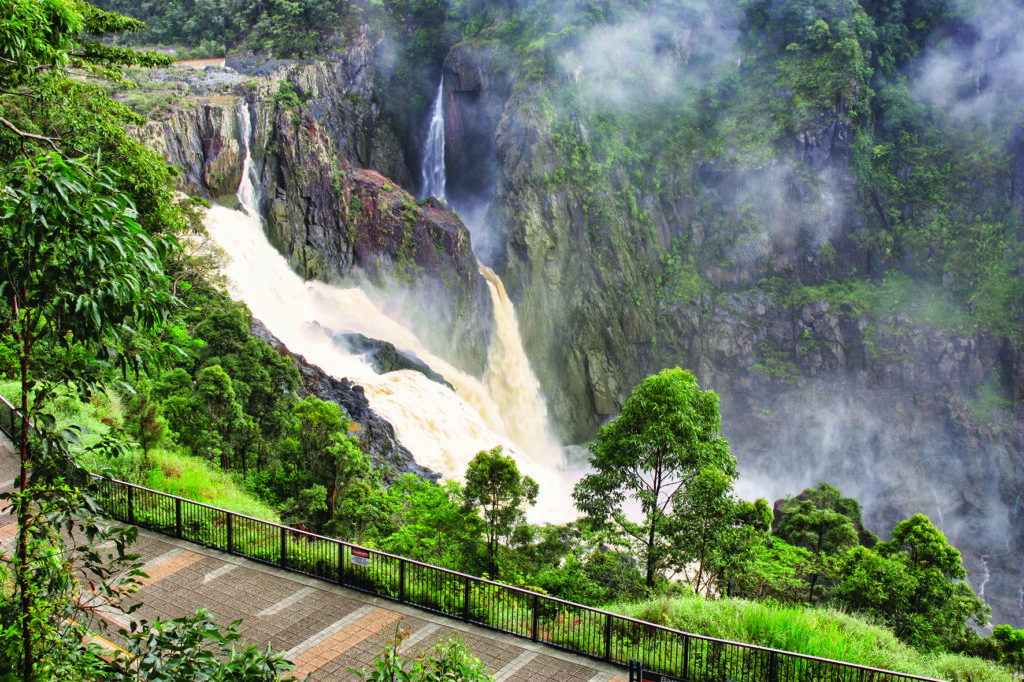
point(904, 414)
point(203, 143)
point(330, 217)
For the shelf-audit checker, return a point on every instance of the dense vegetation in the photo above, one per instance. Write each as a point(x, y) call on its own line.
point(166, 343)
point(802, 65)
point(88, 272)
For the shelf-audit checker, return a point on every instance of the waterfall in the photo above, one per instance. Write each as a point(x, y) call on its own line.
point(987, 576)
point(511, 381)
point(433, 150)
point(443, 429)
point(248, 192)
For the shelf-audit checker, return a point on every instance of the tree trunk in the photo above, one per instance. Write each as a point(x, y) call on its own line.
point(22, 569)
point(650, 558)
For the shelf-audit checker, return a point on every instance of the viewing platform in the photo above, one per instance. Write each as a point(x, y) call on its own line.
point(326, 630)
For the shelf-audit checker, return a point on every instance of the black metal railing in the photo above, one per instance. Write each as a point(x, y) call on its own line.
point(10, 419)
point(573, 627)
point(595, 633)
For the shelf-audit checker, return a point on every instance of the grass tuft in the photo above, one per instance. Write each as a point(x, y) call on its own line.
point(822, 632)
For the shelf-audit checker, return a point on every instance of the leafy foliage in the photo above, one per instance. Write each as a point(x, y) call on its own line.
point(666, 452)
point(448, 660)
point(496, 489)
point(192, 648)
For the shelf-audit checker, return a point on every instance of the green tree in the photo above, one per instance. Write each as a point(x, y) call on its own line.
point(496, 489)
point(825, 496)
point(1011, 645)
point(573, 563)
point(427, 523)
point(80, 274)
point(937, 613)
point(216, 394)
point(875, 585)
point(771, 569)
point(64, 534)
point(668, 433)
point(825, 533)
point(146, 423)
point(706, 530)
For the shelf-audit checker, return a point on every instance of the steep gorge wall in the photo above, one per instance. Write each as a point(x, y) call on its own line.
point(903, 414)
point(331, 218)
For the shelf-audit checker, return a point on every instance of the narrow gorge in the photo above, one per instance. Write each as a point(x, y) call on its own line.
point(758, 272)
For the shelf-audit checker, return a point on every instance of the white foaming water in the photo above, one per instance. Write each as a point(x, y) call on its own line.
point(443, 429)
point(248, 186)
point(434, 179)
point(512, 382)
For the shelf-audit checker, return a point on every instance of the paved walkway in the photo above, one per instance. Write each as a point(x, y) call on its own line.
point(324, 629)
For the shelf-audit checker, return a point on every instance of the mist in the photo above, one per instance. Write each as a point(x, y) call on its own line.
point(976, 75)
point(664, 54)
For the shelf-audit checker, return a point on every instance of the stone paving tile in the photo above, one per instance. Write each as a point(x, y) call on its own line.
point(371, 626)
point(164, 567)
point(544, 668)
point(8, 530)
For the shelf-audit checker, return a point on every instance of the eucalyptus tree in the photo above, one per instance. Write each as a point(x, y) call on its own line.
point(666, 440)
point(495, 487)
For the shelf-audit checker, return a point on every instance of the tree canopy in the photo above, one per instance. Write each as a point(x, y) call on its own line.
point(87, 220)
point(666, 440)
point(496, 489)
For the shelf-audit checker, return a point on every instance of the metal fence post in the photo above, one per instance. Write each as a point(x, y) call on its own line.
point(231, 533)
point(401, 581)
point(773, 668)
point(131, 505)
point(686, 656)
point(177, 517)
point(465, 599)
point(536, 616)
point(608, 637)
point(341, 564)
point(284, 546)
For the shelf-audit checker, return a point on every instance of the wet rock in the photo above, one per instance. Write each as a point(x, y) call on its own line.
point(376, 435)
point(384, 357)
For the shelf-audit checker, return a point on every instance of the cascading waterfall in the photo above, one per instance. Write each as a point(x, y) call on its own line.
point(512, 382)
point(443, 429)
point(433, 151)
point(248, 192)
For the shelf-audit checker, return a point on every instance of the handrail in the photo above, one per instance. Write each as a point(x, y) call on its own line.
point(10, 411)
point(614, 621)
point(563, 624)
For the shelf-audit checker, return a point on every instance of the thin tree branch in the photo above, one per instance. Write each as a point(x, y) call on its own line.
point(21, 133)
point(19, 94)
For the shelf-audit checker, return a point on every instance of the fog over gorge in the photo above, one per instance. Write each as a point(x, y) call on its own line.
point(835, 361)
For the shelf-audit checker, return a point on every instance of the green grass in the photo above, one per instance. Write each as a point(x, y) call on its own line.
point(92, 418)
point(166, 470)
point(821, 632)
point(195, 479)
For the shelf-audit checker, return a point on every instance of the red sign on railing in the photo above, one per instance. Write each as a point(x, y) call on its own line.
point(360, 557)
